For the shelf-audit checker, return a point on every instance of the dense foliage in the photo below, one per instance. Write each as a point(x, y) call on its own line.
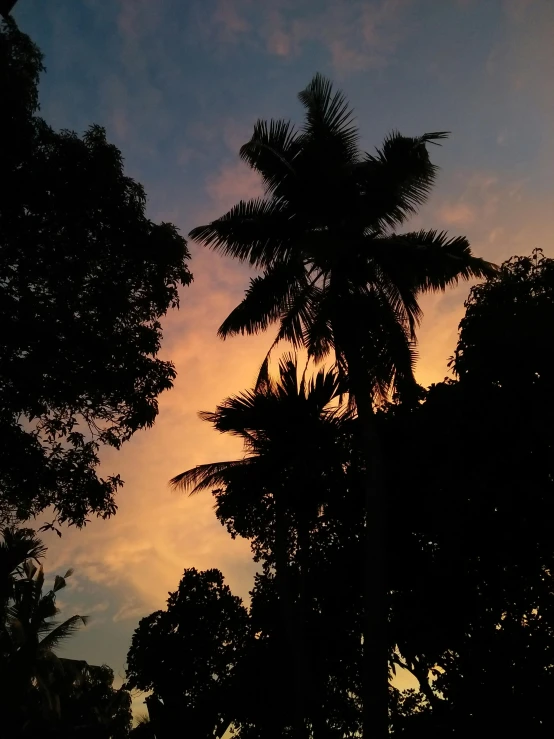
point(42, 694)
point(84, 278)
point(469, 572)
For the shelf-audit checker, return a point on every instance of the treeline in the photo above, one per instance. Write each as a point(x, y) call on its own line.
point(469, 561)
point(396, 527)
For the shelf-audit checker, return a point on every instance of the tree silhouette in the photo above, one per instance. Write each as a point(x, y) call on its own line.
point(335, 276)
point(187, 655)
point(90, 707)
point(291, 431)
point(476, 527)
point(85, 277)
point(42, 694)
point(30, 670)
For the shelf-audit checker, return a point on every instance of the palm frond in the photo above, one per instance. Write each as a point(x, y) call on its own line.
point(288, 386)
point(44, 608)
point(265, 299)
point(429, 260)
point(59, 583)
point(383, 338)
point(329, 120)
point(206, 476)
point(17, 546)
point(398, 179)
point(63, 631)
point(257, 231)
point(318, 332)
point(298, 314)
point(271, 152)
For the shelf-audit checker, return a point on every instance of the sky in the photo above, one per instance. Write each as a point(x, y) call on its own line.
point(178, 85)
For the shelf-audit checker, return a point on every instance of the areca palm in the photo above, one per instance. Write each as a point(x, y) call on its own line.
point(17, 546)
point(276, 491)
point(34, 635)
point(337, 277)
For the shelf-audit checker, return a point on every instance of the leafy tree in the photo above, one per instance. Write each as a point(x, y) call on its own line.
point(30, 669)
point(17, 546)
point(475, 606)
point(85, 277)
point(336, 277)
point(187, 656)
point(90, 706)
point(291, 431)
point(41, 693)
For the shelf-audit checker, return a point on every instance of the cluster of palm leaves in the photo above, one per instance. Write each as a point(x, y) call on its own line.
point(37, 687)
point(340, 282)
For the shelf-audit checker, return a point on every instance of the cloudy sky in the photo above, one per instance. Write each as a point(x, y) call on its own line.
point(178, 85)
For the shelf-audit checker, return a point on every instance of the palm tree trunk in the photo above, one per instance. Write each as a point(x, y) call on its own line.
point(290, 656)
point(314, 695)
point(375, 720)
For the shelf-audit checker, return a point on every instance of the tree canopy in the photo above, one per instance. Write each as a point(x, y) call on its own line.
point(85, 277)
point(187, 654)
point(469, 572)
point(42, 694)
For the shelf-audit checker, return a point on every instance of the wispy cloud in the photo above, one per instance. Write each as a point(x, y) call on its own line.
point(230, 19)
point(233, 182)
point(456, 214)
point(357, 35)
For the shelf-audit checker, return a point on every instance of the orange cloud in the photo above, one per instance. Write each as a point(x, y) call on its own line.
point(233, 182)
point(456, 214)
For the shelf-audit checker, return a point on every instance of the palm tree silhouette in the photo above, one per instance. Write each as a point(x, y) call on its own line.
point(280, 486)
point(336, 277)
point(32, 638)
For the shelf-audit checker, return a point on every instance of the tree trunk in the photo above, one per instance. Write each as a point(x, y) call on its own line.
point(375, 673)
point(314, 694)
point(290, 656)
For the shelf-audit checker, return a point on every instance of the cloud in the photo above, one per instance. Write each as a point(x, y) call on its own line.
point(456, 214)
point(233, 182)
point(131, 610)
point(236, 133)
point(357, 35)
point(229, 19)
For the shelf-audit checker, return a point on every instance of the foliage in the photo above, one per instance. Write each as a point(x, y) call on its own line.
point(85, 277)
point(479, 520)
point(334, 273)
point(186, 656)
point(469, 573)
point(41, 693)
point(338, 278)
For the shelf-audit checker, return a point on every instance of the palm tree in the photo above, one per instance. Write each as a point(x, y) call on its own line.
point(17, 546)
point(34, 635)
point(337, 277)
point(6, 7)
point(288, 427)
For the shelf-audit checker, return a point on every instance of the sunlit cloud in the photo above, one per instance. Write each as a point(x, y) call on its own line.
point(234, 181)
point(456, 214)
